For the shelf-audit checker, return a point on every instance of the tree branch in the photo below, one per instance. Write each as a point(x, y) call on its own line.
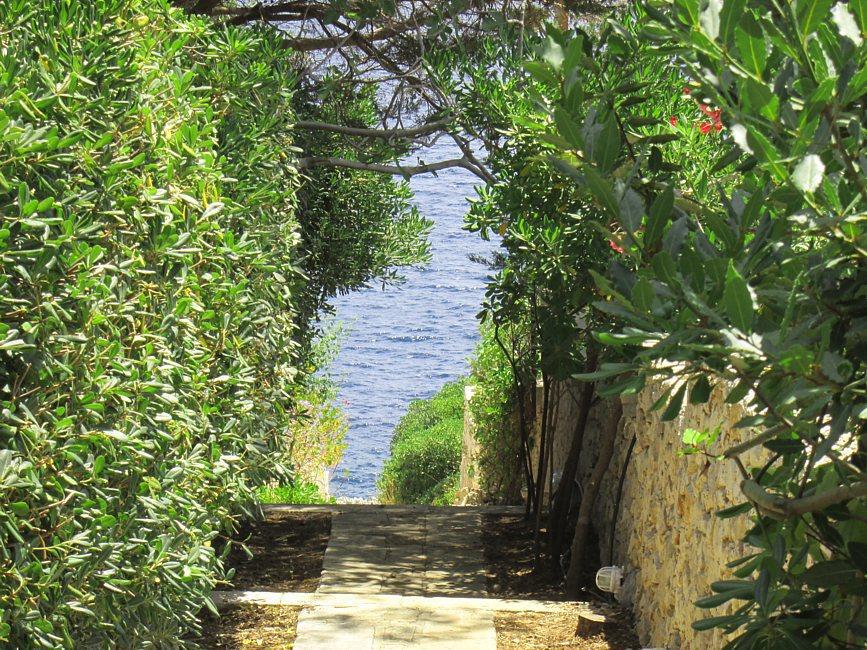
point(396, 170)
point(388, 134)
point(783, 508)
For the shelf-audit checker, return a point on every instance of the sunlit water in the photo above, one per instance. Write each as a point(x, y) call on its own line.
point(405, 342)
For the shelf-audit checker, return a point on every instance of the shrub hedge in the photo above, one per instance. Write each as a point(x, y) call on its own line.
point(149, 252)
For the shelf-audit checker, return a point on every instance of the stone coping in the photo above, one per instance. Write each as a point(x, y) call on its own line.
point(225, 598)
point(397, 509)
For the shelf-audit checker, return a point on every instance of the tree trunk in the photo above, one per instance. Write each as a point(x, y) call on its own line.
point(541, 465)
point(560, 510)
point(579, 541)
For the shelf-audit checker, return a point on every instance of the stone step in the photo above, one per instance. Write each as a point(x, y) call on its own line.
point(225, 598)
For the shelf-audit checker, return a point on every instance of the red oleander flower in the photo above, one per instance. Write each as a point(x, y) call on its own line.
point(615, 247)
point(686, 90)
point(672, 120)
point(714, 115)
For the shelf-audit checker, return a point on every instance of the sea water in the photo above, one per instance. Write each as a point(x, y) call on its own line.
point(405, 342)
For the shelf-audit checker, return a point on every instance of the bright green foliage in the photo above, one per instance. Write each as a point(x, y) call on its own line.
point(750, 274)
point(494, 413)
point(148, 251)
point(426, 450)
point(297, 492)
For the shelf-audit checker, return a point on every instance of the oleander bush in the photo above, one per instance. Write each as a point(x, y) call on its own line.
point(425, 458)
point(717, 149)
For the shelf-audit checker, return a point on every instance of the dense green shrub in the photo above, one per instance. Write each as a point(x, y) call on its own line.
point(426, 450)
point(494, 412)
point(148, 250)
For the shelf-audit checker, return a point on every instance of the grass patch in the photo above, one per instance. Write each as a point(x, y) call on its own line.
point(297, 493)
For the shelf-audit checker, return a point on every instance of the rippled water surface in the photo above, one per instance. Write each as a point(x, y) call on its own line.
point(407, 341)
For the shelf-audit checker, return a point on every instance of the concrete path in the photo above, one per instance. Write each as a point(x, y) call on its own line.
point(422, 555)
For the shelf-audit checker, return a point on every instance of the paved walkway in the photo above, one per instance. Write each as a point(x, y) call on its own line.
point(397, 577)
point(405, 551)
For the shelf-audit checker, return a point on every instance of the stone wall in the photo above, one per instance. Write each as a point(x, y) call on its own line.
point(469, 492)
point(667, 537)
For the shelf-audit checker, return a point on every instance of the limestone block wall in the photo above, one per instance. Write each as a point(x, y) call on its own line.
point(667, 537)
point(468, 484)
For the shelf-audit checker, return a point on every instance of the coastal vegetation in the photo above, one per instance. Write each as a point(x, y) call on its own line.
point(425, 454)
point(157, 319)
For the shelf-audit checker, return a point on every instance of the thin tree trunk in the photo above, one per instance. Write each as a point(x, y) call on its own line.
point(579, 541)
point(541, 464)
point(560, 510)
point(522, 419)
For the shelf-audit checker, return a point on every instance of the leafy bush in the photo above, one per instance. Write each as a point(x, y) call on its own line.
point(425, 458)
point(148, 250)
point(492, 408)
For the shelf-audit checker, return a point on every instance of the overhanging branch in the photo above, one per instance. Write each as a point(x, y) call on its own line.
point(783, 508)
point(395, 170)
point(387, 134)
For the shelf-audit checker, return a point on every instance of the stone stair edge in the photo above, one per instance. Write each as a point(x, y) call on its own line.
point(223, 598)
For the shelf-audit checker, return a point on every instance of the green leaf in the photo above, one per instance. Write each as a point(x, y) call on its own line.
point(567, 128)
point(750, 42)
point(605, 371)
point(730, 17)
point(674, 404)
point(738, 300)
point(734, 511)
point(721, 598)
point(107, 521)
point(859, 8)
point(831, 573)
point(716, 621)
point(19, 509)
point(665, 269)
point(700, 391)
point(642, 295)
point(765, 151)
point(541, 72)
point(601, 189)
point(627, 386)
point(660, 214)
point(567, 169)
point(810, 15)
point(606, 147)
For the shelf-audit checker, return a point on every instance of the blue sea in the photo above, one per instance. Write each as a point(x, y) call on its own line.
point(405, 342)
